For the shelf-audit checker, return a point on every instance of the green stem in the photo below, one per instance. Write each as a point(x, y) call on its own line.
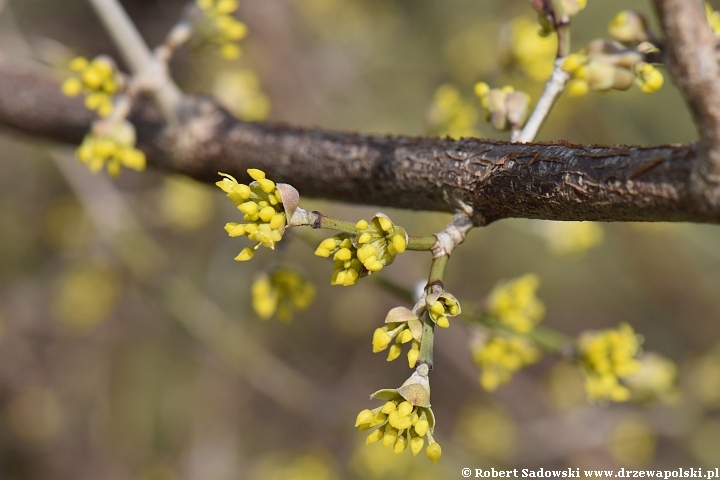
point(426, 344)
point(423, 243)
point(331, 223)
point(437, 272)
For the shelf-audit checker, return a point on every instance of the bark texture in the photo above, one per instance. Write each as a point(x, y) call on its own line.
point(490, 179)
point(691, 49)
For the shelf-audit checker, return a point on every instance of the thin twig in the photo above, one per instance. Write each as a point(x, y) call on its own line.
point(148, 70)
point(555, 85)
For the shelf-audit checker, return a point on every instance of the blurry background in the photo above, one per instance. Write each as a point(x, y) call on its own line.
point(107, 372)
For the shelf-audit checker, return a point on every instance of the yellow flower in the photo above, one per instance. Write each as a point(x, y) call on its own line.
point(648, 78)
point(404, 326)
point(262, 204)
point(531, 52)
point(379, 242)
point(111, 146)
point(514, 304)
point(347, 268)
point(451, 115)
point(608, 356)
point(405, 419)
point(97, 79)
point(504, 107)
point(281, 292)
point(440, 306)
point(500, 356)
point(220, 29)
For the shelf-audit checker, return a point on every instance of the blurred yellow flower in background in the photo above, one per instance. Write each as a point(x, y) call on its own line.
point(488, 430)
point(452, 115)
point(317, 465)
point(281, 292)
point(530, 52)
point(185, 203)
point(632, 441)
point(240, 91)
point(84, 296)
point(514, 303)
point(571, 239)
point(608, 356)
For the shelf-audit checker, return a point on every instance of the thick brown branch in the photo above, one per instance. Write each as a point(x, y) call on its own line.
point(496, 179)
point(692, 53)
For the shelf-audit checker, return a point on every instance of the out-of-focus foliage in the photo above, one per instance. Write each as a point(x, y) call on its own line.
point(101, 377)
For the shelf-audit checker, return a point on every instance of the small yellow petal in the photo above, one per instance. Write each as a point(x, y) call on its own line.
point(433, 452)
point(366, 416)
point(421, 427)
point(416, 444)
point(246, 254)
point(374, 437)
point(71, 87)
point(256, 174)
point(385, 224)
point(267, 185)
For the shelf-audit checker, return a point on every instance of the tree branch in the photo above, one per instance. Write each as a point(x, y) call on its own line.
point(150, 72)
point(692, 54)
point(496, 179)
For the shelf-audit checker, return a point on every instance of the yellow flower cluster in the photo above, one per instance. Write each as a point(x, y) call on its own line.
point(262, 204)
point(347, 268)
point(530, 51)
point(379, 242)
point(400, 424)
point(282, 292)
point(440, 306)
point(515, 305)
point(600, 69)
point(500, 356)
point(404, 326)
point(504, 107)
point(376, 245)
point(97, 79)
point(113, 149)
point(608, 356)
point(222, 30)
point(713, 17)
point(451, 115)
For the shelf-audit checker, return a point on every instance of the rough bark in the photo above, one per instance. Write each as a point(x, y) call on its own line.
point(495, 179)
point(691, 49)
